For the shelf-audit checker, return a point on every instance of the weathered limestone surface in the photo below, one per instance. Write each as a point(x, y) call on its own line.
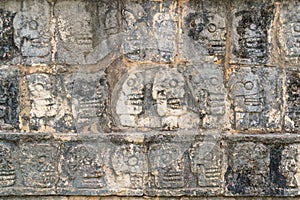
point(159, 99)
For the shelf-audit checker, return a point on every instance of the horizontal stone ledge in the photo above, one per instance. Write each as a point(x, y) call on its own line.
point(153, 164)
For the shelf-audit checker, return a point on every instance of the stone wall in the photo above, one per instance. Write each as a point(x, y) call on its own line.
point(149, 98)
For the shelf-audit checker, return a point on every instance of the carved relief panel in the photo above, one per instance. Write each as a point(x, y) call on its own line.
point(89, 97)
point(130, 165)
point(49, 108)
point(154, 98)
point(150, 29)
point(166, 164)
point(207, 86)
point(8, 49)
point(32, 31)
point(248, 169)
point(83, 167)
point(75, 31)
point(255, 95)
point(9, 99)
point(289, 31)
point(203, 30)
point(292, 117)
point(87, 30)
point(184, 166)
point(38, 164)
point(206, 163)
point(7, 167)
point(250, 32)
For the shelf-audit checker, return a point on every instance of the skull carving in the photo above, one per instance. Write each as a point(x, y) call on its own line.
point(166, 165)
point(131, 101)
point(32, 33)
point(248, 103)
point(206, 163)
point(85, 167)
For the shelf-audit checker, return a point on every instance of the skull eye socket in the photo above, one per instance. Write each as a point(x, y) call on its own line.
point(131, 82)
point(193, 23)
point(296, 27)
point(166, 158)
point(248, 85)
point(33, 25)
point(294, 87)
point(211, 27)
point(39, 87)
point(173, 83)
point(214, 81)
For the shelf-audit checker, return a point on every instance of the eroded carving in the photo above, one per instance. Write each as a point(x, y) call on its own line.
point(206, 163)
point(9, 100)
point(89, 96)
point(289, 31)
point(7, 168)
point(248, 170)
point(166, 165)
point(169, 93)
point(38, 163)
point(292, 118)
point(155, 98)
point(250, 44)
point(207, 86)
point(136, 32)
point(130, 160)
point(84, 167)
point(131, 101)
point(7, 46)
point(49, 110)
point(256, 98)
point(75, 31)
point(207, 29)
point(288, 165)
point(165, 28)
point(247, 101)
point(32, 31)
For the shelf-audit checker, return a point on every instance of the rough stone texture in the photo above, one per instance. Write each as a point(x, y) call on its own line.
point(149, 99)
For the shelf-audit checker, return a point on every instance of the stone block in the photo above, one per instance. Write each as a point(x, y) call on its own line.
point(256, 97)
point(292, 116)
point(87, 31)
point(203, 30)
point(250, 31)
point(88, 95)
point(9, 99)
point(262, 166)
point(25, 32)
point(49, 106)
point(184, 165)
point(288, 32)
point(150, 31)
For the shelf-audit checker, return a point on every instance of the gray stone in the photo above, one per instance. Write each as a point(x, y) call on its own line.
point(87, 30)
point(9, 99)
point(154, 98)
point(288, 32)
point(49, 107)
point(89, 98)
point(8, 48)
point(250, 38)
point(32, 33)
point(292, 120)
point(203, 30)
point(38, 164)
point(256, 96)
point(150, 31)
point(181, 165)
